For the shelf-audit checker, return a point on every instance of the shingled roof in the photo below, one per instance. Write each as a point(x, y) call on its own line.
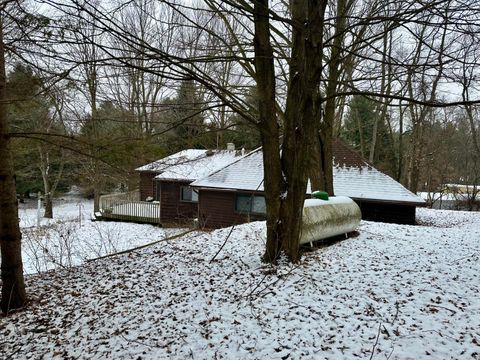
point(190, 164)
point(352, 176)
point(345, 156)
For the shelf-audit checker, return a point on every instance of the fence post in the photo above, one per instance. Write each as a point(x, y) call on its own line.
point(39, 205)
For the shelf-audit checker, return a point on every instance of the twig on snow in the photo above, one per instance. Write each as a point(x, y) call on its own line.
point(280, 277)
point(143, 246)
point(386, 331)
point(463, 258)
point(308, 307)
point(269, 285)
point(256, 287)
point(376, 341)
point(139, 342)
point(413, 335)
point(442, 307)
point(397, 308)
point(439, 333)
point(11, 355)
point(224, 243)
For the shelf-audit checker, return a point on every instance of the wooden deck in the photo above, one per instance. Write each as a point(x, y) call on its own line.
point(127, 207)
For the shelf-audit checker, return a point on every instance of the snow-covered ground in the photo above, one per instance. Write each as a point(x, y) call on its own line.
point(72, 237)
point(393, 292)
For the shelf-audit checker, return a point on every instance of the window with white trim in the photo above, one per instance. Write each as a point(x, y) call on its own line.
point(250, 204)
point(188, 194)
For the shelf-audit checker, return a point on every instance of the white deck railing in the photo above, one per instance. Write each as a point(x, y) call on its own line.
point(127, 207)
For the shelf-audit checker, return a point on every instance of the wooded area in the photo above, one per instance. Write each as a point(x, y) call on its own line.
point(92, 89)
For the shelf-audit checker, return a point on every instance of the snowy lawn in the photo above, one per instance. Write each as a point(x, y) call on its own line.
point(401, 292)
point(72, 237)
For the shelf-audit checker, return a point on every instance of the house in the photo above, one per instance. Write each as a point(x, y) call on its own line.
point(234, 193)
point(168, 181)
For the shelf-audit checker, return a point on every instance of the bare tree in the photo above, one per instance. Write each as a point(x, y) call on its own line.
point(13, 286)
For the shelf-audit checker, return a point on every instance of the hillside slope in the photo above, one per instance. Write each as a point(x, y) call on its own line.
point(405, 292)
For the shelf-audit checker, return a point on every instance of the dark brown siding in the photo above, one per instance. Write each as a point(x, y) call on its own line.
point(390, 213)
point(172, 209)
point(217, 209)
point(147, 185)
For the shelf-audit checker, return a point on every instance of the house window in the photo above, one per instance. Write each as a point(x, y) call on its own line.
point(250, 204)
point(189, 194)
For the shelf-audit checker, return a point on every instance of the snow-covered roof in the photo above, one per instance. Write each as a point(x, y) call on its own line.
point(244, 174)
point(370, 183)
point(352, 177)
point(177, 158)
point(190, 164)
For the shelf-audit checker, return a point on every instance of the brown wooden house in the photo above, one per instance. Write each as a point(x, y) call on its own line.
point(167, 181)
point(234, 194)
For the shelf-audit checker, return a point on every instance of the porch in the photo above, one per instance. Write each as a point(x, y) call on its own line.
point(128, 207)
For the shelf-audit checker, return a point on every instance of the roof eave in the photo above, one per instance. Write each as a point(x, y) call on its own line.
point(226, 189)
point(175, 179)
point(148, 170)
point(392, 202)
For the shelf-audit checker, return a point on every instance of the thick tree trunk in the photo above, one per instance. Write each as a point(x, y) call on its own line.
point(265, 78)
point(285, 178)
point(302, 111)
point(13, 286)
point(273, 195)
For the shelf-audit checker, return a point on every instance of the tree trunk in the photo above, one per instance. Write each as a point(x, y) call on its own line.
point(285, 177)
point(326, 152)
point(315, 167)
point(13, 286)
point(414, 158)
point(302, 111)
point(265, 78)
point(400, 145)
point(326, 129)
point(96, 199)
point(48, 206)
point(381, 108)
point(45, 170)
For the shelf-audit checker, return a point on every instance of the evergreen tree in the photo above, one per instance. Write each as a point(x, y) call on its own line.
point(242, 133)
point(38, 164)
point(184, 114)
point(358, 132)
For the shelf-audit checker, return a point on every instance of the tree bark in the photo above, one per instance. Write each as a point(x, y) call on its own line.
point(285, 176)
point(45, 170)
point(269, 129)
point(301, 117)
point(399, 173)
point(13, 286)
point(326, 129)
